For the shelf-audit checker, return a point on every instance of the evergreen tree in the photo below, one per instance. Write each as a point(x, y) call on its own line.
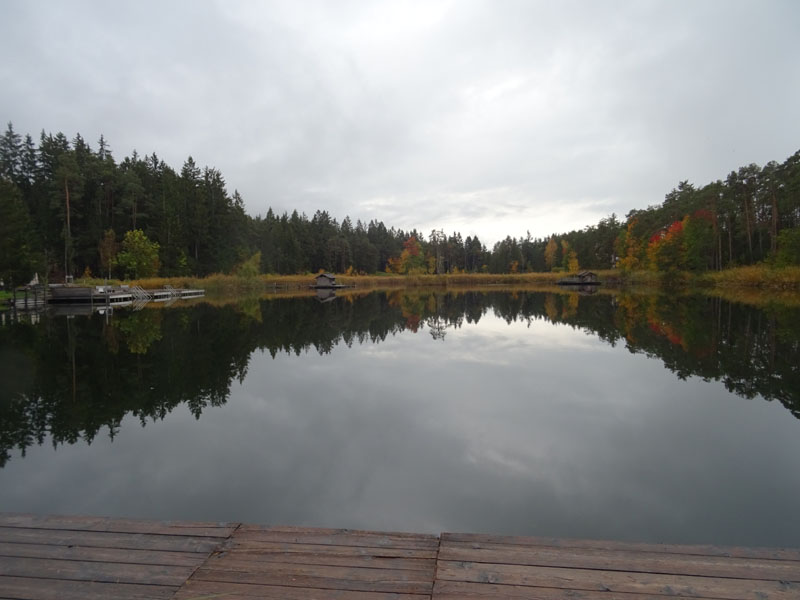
point(17, 252)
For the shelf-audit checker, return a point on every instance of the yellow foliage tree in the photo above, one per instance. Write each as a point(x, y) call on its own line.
point(572, 263)
point(394, 265)
point(569, 257)
point(629, 248)
point(550, 253)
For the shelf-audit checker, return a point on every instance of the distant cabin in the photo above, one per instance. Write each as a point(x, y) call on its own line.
point(582, 278)
point(325, 280)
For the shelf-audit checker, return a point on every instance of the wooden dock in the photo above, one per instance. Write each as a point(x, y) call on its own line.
point(100, 296)
point(87, 558)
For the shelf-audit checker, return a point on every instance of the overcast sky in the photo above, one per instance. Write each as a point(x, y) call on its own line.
point(489, 118)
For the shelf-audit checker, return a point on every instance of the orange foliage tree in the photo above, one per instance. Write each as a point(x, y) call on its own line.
point(411, 258)
point(665, 248)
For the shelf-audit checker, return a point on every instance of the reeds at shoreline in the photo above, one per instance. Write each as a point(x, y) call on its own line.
point(759, 276)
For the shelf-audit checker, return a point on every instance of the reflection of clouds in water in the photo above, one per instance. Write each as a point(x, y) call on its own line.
point(541, 430)
point(492, 458)
point(497, 342)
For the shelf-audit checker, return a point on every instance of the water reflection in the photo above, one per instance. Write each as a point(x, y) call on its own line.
point(549, 414)
point(68, 378)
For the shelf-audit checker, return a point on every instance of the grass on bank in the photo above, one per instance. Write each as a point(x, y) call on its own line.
point(220, 282)
point(751, 277)
point(758, 276)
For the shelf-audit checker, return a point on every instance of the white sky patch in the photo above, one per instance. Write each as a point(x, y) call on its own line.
point(491, 214)
point(490, 119)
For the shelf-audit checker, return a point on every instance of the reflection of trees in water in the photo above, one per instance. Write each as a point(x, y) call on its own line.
point(69, 378)
point(753, 352)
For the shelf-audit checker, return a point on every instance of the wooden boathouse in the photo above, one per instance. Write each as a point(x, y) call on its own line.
point(325, 281)
point(92, 558)
point(582, 278)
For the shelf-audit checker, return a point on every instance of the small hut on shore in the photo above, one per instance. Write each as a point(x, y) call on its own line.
point(325, 280)
point(582, 278)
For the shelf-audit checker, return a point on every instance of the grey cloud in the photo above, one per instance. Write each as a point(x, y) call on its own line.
point(575, 109)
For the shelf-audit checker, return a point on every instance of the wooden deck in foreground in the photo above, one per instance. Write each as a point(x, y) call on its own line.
point(86, 558)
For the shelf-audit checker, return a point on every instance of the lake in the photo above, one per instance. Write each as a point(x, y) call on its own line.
point(615, 416)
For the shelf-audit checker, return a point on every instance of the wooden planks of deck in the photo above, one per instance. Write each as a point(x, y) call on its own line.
point(294, 563)
point(484, 566)
point(43, 558)
point(87, 558)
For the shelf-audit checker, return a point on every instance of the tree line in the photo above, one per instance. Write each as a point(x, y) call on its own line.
point(69, 209)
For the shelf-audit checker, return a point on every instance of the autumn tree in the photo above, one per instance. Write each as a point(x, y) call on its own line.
point(629, 247)
point(569, 257)
point(550, 253)
point(411, 258)
point(664, 251)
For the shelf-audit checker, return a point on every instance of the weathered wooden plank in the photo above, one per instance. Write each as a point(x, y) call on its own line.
point(114, 525)
point(43, 568)
point(332, 560)
point(93, 519)
point(197, 590)
point(618, 560)
point(248, 527)
point(618, 582)
point(326, 571)
point(700, 549)
point(456, 590)
point(140, 541)
point(321, 577)
point(255, 547)
point(336, 537)
point(26, 588)
point(142, 557)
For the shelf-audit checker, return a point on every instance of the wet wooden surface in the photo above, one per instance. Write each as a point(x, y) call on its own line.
point(44, 557)
point(84, 558)
point(484, 566)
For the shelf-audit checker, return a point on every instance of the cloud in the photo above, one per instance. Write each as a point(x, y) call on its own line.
point(498, 117)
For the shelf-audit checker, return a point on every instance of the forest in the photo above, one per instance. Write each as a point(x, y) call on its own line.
point(67, 208)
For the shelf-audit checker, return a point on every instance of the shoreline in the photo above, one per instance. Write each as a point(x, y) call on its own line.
point(761, 277)
point(744, 284)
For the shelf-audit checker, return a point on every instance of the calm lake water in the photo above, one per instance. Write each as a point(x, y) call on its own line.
point(626, 417)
